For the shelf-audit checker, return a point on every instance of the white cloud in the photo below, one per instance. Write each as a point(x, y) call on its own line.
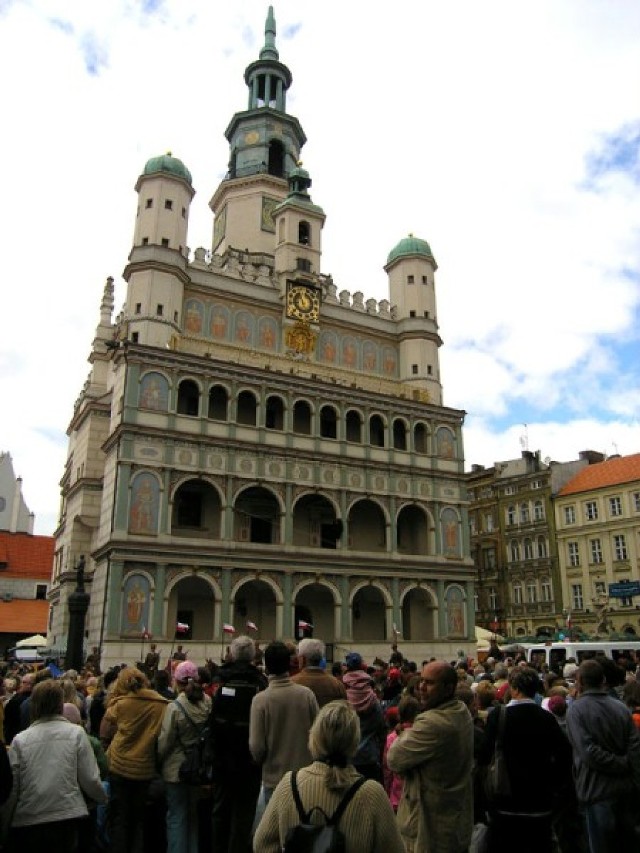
point(472, 125)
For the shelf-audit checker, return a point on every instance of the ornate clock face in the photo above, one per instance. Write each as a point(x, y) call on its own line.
point(303, 303)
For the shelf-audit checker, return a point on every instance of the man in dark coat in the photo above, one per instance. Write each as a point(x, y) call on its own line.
point(236, 777)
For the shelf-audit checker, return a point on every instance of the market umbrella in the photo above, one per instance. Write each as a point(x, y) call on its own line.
point(37, 641)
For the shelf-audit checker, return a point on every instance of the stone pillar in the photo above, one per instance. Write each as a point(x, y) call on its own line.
point(78, 604)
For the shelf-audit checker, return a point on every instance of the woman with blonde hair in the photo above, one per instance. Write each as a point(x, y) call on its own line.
point(132, 723)
point(368, 822)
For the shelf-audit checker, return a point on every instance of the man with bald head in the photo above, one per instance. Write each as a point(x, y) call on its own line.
point(436, 759)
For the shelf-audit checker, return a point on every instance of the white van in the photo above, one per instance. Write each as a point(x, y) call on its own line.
point(555, 655)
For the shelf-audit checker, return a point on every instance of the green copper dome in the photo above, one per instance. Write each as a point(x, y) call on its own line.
point(410, 246)
point(169, 164)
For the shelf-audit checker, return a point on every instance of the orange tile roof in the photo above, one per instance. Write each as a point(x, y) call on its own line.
point(26, 556)
point(24, 616)
point(613, 472)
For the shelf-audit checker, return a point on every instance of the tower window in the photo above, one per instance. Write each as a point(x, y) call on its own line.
point(175, 316)
point(414, 368)
point(138, 307)
point(149, 203)
point(145, 241)
point(425, 280)
point(159, 310)
point(304, 233)
point(41, 591)
point(412, 313)
point(426, 314)
point(134, 337)
point(303, 264)
point(429, 370)
point(410, 279)
point(168, 204)
point(165, 242)
point(184, 212)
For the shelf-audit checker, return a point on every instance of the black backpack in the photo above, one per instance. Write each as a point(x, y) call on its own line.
point(229, 725)
point(307, 837)
point(195, 768)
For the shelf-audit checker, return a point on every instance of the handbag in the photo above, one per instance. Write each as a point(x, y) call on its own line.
point(496, 781)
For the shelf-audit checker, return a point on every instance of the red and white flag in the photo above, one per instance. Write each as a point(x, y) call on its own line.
point(228, 629)
point(252, 626)
point(304, 625)
point(146, 635)
point(181, 627)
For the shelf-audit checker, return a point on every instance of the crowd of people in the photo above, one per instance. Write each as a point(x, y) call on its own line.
point(406, 755)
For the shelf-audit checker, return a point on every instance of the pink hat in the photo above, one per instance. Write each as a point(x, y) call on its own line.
point(71, 712)
point(186, 670)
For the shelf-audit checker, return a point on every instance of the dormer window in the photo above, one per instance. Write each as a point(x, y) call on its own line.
point(410, 279)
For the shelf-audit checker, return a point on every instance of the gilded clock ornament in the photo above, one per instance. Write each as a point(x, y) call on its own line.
point(303, 303)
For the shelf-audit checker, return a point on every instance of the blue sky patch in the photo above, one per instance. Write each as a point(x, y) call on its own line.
point(619, 152)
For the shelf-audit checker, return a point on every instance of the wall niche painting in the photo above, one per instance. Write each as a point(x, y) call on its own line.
point(154, 392)
point(136, 601)
point(370, 357)
point(193, 316)
point(243, 328)
point(389, 362)
point(450, 532)
point(455, 612)
point(328, 347)
point(145, 501)
point(446, 443)
point(267, 333)
point(219, 322)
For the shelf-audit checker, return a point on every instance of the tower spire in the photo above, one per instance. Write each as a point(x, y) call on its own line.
point(269, 51)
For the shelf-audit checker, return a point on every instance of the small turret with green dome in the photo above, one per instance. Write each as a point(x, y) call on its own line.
point(409, 246)
point(169, 164)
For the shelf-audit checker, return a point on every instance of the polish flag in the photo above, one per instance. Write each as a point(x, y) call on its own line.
point(304, 625)
point(252, 626)
point(146, 634)
point(228, 629)
point(181, 627)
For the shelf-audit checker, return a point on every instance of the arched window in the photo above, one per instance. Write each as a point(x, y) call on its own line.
point(515, 551)
point(376, 431)
point(511, 515)
point(274, 413)
point(524, 513)
point(276, 158)
point(517, 593)
point(528, 549)
point(542, 546)
point(547, 591)
point(304, 233)
point(188, 398)
point(328, 422)
point(538, 511)
point(532, 592)
point(354, 426)
point(302, 417)
point(420, 438)
point(399, 434)
point(247, 408)
point(218, 403)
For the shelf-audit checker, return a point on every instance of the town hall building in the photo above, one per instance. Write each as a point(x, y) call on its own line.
point(256, 446)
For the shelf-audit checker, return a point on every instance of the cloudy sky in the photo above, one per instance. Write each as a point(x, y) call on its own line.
point(507, 134)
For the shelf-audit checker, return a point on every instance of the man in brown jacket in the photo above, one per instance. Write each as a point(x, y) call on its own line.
point(312, 675)
point(435, 814)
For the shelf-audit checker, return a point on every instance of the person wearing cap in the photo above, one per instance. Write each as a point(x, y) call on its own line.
point(373, 731)
point(184, 719)
point(326, 688)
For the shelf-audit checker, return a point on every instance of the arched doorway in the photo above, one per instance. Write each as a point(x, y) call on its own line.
point(368, 615)
point(255, 601)
point(418, 616)
point(314, 604)
point(191, 602)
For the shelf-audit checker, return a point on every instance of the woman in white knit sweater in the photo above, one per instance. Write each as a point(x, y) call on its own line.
point(368, 822)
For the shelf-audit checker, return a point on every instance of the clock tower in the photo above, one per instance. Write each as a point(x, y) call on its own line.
point(265, 144)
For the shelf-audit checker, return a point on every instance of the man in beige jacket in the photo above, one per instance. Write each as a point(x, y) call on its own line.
point(435, 757)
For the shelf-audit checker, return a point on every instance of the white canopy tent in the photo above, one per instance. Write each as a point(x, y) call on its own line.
point(37, 641)
point(484, 637)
